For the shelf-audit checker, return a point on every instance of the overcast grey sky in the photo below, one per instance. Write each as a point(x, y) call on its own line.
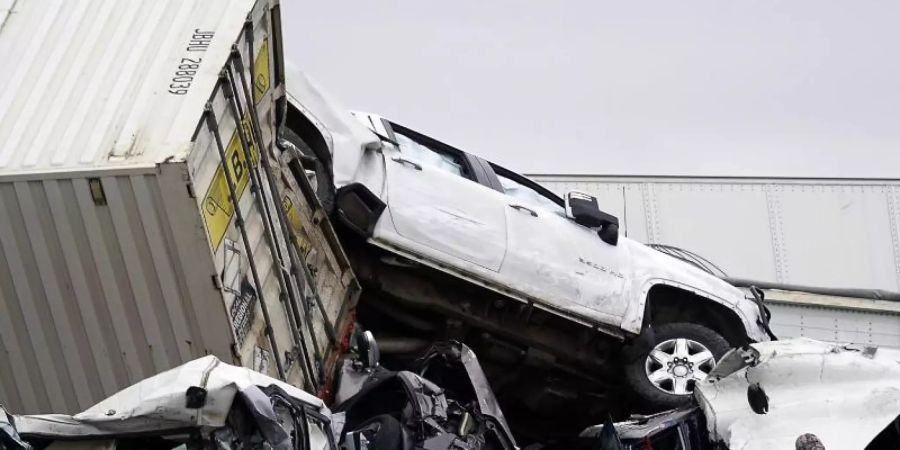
point(779, 88)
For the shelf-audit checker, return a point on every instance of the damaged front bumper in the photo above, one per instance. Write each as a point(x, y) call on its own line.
point(755, 315)
point(764, 315)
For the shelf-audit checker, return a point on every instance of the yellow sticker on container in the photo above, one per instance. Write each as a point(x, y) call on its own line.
point(296, 223)
point(261, 72)
point(217, 206)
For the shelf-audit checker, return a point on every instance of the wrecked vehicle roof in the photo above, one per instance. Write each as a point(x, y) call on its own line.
point(845, 395)
point(160, 403)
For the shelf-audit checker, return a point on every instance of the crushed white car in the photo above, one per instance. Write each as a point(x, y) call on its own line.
point(450, 245)
point(204, 403)
point(209, 404)
point(847, 396)
point(791, 394)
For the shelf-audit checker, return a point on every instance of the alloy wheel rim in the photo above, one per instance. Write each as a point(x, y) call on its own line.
point(675, 366)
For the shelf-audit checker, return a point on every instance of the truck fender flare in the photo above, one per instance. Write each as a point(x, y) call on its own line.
point(636, 316)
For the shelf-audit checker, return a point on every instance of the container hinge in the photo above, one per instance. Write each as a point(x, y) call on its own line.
point(239, 95)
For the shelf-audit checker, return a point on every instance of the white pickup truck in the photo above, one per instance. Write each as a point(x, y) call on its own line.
point(450, 244)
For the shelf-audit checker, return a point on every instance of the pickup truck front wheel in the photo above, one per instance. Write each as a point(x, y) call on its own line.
point(665, 363)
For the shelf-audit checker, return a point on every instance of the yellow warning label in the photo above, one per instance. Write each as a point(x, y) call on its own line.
point(217, 206)
point(296, 222)
point(261, 72)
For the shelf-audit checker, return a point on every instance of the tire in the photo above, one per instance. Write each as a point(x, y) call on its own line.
point(324, 187)
point(673, 383)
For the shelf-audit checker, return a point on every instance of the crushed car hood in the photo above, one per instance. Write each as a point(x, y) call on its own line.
point(160, 403)
point(651, 267)
point(845, 395)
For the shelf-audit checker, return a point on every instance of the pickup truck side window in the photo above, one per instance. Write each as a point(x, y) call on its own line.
point(528, 195)
point(435, 157)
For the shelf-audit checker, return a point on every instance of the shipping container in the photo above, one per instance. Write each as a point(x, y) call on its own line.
point(147, 216)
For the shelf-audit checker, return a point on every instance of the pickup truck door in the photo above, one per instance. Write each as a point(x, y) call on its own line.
point(436, 206)
point(557, 260)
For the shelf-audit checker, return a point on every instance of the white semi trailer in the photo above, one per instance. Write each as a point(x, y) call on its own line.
point(148, 215)
point(806, 240)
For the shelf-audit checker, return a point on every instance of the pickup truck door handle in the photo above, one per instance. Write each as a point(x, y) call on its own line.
point(524, 209)
point(406, 162)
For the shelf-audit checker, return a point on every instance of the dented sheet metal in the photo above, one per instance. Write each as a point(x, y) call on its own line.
point(444, 403)
point(159, 403)
point(454, 353)
point(844, 395)
point(9, 436)
point(645, 426)
point(205, 402)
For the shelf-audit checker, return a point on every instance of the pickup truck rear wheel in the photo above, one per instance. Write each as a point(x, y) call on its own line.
point(666, 362)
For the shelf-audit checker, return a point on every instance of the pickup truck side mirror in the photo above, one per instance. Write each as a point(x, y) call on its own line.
point(585, 211)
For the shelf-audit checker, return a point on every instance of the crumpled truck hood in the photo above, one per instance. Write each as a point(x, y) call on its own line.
point(650, 267)
point(845, 395)
point(159, 403)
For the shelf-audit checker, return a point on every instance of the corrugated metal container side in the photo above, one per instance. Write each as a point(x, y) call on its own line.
point(94, 297)
point(107, 277)
point(116, 266)
point(94, 83)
